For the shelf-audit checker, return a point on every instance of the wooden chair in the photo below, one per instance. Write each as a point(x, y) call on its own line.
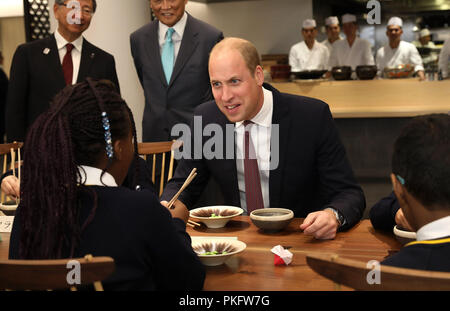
point(11, 159)
point(154, 148)
point(354, 274)
point(54, 274)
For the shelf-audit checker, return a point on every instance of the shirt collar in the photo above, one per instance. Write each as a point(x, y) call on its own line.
point(61, 42)
point(90, 176)
point(178, 27)
point(434, 230)
point(264, 116)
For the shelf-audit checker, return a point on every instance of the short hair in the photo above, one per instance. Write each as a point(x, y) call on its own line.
point(421, 158)
point(94, 3)
point(247, 50)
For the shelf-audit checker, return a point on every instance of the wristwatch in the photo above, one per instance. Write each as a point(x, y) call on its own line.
point(340, 219)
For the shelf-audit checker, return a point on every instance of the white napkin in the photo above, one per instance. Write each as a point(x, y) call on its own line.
point(282, 253)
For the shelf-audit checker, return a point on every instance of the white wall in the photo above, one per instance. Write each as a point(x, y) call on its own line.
point(272, 25)
point(110, 30)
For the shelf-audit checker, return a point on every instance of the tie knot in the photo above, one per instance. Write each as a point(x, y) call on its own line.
point(247, 122)
point(69, 47)
point(170, 32)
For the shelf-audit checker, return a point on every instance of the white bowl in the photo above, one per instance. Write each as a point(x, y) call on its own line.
point(203, 245)
point(404, 236)
point(225, 213)
point(8, 206)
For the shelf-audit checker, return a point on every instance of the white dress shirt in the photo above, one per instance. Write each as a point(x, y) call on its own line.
point(359, 53)
point(443, 58)
point(405, 53)
point(90, 176)
point(302, 58)
point(434, 230)
point(177, 35)
point(260, 136)
point(76, 53)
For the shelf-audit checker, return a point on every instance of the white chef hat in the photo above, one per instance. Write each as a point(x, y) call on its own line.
point(348, 18)
point(424, 32)
point(395, 21)
point(309, 23)
point(331, 20)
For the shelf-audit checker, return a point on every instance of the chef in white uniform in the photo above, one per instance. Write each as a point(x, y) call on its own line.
point(398, 52)
point(443, 58)
point(352, 51)
point(425, 42)
point(308, 54)
point(333, 32)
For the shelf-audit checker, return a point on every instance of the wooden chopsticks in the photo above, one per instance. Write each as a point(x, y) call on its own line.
point(13, 168)
point(175, 197)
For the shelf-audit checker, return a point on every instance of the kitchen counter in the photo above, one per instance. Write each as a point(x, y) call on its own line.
point(380, 98)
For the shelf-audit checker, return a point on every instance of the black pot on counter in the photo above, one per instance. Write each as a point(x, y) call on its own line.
point(309, 74)
point(341, 72)
point(366, 72)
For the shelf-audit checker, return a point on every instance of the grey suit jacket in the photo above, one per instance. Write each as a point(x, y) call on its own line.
point(172, 102)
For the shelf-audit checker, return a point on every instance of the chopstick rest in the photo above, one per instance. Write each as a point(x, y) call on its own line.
point(282, 256)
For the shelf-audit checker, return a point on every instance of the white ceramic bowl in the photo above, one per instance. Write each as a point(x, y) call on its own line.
point(225, 213)
point(8, 206)
point(230, 246)
point(272, 219)
point(403, 236)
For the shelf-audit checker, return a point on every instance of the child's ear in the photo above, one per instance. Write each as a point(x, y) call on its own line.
point(118, 149)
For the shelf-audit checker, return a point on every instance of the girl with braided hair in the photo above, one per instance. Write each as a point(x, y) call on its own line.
point(76, 156)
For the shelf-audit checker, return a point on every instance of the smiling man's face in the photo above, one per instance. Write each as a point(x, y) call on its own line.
point(168, 12)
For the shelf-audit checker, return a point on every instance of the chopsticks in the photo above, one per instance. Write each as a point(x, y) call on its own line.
point(13, 161)
point(175, 197)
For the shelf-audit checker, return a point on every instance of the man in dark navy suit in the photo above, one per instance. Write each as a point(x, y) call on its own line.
point(40, 69)
point(301, 162)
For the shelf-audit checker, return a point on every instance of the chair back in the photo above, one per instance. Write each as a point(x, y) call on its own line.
point(55, 273)
point(361, 276)
point(161, 148)
point(10, 158)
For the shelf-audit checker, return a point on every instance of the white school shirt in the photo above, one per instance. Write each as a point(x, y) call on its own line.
point(76, 53)
point(261, 143)
point(434, 230)
point(406, 53)
point(92, 176)
point(177, 35)
point(359, 53)
point(302, 58)
point(443, 58)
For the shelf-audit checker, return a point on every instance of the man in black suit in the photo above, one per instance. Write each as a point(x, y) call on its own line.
point(173, 69)
point(421, 178)
point(3, 94)
point(301, 161)
point(40, 69)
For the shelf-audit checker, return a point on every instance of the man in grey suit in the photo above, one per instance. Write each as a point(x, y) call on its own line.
point(171, 59)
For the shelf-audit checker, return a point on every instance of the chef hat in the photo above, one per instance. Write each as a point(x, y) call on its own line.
point(309, 23)
point(395, 21)
point(424, 32)
point(348, 18)
point(331, 20)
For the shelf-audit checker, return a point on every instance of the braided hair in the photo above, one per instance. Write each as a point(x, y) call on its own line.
point(71, 133)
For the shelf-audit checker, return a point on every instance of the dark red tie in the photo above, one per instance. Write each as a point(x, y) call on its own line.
point(253, 193)
point(67, 65)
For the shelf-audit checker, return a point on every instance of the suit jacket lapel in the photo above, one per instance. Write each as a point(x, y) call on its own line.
point(280, 117)
point(153, 51)
point(51, 60)
point(188, 46)
point(230, 168)
point(87, 58)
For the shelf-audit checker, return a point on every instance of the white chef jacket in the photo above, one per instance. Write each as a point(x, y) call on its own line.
point(406, 53)
point(329, 45)
point(359, 53)
point(443, 58)
point(302, 58)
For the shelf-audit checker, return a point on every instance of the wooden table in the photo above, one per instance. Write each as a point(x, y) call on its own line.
point(253, 269)
point(380, 98)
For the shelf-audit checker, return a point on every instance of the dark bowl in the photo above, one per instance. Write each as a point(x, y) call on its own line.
point(341, 73)
point(366, 72)
point(271, 219)
point(309, 74)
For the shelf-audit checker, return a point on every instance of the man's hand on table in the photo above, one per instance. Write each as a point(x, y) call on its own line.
point(322, 225)
point(178, 210)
